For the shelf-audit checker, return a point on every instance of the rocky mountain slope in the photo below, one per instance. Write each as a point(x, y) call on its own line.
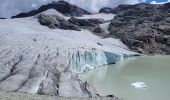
point(144, 28)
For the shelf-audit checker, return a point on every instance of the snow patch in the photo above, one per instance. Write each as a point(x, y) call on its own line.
point(54, 12)
point(99, 15)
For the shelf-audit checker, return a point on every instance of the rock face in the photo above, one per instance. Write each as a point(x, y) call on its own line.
point(60, 6)
point(105, 10)
point(50, 21)
point(2, 18)
point(54, 22)
point(67, 25)
point(86, 22)
point(90, 24)
point(57, 22)
point(144, 28)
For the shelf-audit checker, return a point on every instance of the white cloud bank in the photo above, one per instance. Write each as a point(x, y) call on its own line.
point(9, 8)
point(155, 2)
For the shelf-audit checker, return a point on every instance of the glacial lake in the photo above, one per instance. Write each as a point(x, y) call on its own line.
point(140, 78)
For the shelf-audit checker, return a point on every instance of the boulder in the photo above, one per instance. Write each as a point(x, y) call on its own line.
point(98, 30)
point(165, 29)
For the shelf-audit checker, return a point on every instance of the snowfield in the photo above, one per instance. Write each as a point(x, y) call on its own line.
point(98, 15)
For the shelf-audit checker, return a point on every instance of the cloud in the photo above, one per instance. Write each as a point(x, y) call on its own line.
point(9, 8)
point(155, 2)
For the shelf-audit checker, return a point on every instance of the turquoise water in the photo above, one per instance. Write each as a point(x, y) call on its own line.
point(142, 78)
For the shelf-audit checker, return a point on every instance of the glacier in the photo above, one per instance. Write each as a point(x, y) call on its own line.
point(32, 55)
point(82, 61)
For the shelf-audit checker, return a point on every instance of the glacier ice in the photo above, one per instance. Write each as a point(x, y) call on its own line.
point(85, 60)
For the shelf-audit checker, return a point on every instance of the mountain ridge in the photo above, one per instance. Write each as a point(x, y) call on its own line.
point(60, 6)
point(123, 7)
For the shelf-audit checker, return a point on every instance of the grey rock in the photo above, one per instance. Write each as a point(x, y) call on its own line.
point(50, 21)
point(86, 22)
point(164, 28)
point(54, 22)
point(69, 26)
point(90, 24)
point(98, 30)
point(2, 18)
point(105, 10)
point(144, 28)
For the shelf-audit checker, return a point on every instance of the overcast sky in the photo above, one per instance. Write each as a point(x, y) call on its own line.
point(9, 8)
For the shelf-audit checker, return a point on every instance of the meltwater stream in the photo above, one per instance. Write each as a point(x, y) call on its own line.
point(141, 78)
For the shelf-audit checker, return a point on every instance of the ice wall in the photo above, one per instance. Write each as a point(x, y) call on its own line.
point(81, 61)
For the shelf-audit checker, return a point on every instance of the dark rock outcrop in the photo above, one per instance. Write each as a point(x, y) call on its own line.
point(86, 22)
point(50, 21)
point(60, 6)
point(98, 29)
point(144, 28)
point(67, 25)
point(57, 22)
point(2, 18)
point(105, 10)
point(124, 8)
point(54, 22)
point(90, 24)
